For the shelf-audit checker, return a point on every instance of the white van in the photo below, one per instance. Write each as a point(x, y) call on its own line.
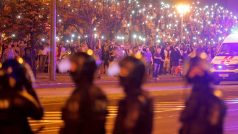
point(225, 63)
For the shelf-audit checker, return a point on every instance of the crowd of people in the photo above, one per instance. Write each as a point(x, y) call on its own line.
point(163, 59)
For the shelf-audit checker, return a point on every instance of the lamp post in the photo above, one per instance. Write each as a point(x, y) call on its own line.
point(52, 68)
point(182, 9)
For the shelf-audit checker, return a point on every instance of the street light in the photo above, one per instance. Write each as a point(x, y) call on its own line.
point(182, 9)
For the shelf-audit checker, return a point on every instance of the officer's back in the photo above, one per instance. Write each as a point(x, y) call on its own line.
point(17, 100)
point(86, 109)
point(135, 112)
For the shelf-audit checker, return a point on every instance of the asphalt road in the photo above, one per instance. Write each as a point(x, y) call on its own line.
point(169, 98)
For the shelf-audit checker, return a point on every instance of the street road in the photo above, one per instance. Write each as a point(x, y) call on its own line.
point(169, 98)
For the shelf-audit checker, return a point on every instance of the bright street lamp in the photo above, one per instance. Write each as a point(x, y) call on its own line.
point(182, 9)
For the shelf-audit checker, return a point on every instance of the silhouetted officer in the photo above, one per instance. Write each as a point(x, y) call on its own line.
point(86, 109)
point(135, 113)
point(18, 100)
point(204, 111)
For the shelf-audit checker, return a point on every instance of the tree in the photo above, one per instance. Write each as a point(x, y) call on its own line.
point(24, 18)
point(88, 18)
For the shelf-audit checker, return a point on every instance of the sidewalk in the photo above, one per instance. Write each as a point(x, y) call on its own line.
point(64, 80)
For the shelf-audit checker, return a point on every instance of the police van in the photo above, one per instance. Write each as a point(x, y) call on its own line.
point(225, 63)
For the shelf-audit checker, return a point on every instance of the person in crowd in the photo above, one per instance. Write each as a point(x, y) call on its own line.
point(17, 98)
point(135, 112)
point(157, 63)
point(10, 52)
point(174, 59)
point(204, 111)
point(98, 58)
point(167, 60)
point(41, 59)
point(105, 57)
point(161, 69)
point(17, 49)
point(86, 109)
point(148, 60)
point(30, 57)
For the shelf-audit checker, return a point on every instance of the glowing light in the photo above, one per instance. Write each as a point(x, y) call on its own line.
point(219, 67)
point(234, 30)
point(43, 39)
point(13, 35)
point(19, 17)
point(138, 55)
point(218, 93)
point(90, 52)
point(183, 9)
point(203, 56)
point(3, 35)
point(95, 35)
point(20, 60)
point(134, 36)
point(120, 37)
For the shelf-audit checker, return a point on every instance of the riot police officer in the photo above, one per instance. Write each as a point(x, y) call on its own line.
point(135, 113)
point(18, 100)
point(86, 109)
point(204, 111)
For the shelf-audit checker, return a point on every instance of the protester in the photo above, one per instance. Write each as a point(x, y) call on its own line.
point(17, 98)
point(204, 111)
point(10, 52)
point(86, 109)
point(167, 60)
point(148, 60)
point(174, 59)
point(135, 112)
point(157, 63)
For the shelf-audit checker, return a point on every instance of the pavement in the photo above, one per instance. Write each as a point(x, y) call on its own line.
point(64, 80)
point(169, 96)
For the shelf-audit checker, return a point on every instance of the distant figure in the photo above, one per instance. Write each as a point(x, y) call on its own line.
point(10, 52)
point(204, 111)
point(86, 109)
point(135, 113)
point(30, 57)
point(18, 100)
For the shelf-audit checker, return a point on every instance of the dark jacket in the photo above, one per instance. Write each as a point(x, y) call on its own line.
point(15, 108)
point(135, 115)
point(174, 57)
point(85, 112)
point(203, 114)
